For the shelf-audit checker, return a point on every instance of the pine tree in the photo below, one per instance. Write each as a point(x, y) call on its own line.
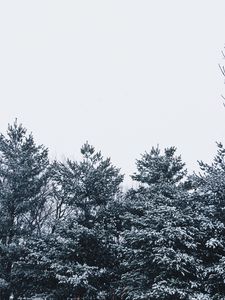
point(23, 190)
point(159, 249)
point(87, 186)
point(76, 258)
point(209, 196)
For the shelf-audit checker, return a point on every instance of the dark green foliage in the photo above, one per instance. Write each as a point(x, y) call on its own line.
point(80, 249)
point(155, 168)
point(160, 248)
point(86, 186)
point(209, 195)
point(68, 230)
point(23, 194)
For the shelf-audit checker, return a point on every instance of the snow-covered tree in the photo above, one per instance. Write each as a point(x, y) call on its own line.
point(209, 196)
point(160, 260)
point(68, 230)
point(23, 192)
point(77, 258)
point(86, 186)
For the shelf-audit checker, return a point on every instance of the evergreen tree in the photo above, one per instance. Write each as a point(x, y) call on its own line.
point(209, 196)
point(76, 257)
point(160, 258)
point(23, 192)
point(68, 230)
point(86, 186)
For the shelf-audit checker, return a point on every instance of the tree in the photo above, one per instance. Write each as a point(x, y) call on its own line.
point(160, 260)
point(209, 194)
point(86, 186)
point(23, 193)
point(76, 257)
point(154, 168)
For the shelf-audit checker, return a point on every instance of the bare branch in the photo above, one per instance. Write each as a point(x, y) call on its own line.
point(223, 54)
point(222, 69)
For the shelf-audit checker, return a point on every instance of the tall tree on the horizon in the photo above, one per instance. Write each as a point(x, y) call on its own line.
point(209, 197)
point(159, 249)
point(23, 193)
point(77, 258)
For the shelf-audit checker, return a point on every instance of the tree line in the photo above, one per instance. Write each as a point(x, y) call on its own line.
point(67, 228)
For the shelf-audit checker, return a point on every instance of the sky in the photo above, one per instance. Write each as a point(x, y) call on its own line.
point(124, 75)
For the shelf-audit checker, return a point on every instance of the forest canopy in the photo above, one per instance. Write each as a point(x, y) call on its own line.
point(69, 230)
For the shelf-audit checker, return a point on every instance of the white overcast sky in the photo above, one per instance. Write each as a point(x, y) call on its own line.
point(125, 75)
